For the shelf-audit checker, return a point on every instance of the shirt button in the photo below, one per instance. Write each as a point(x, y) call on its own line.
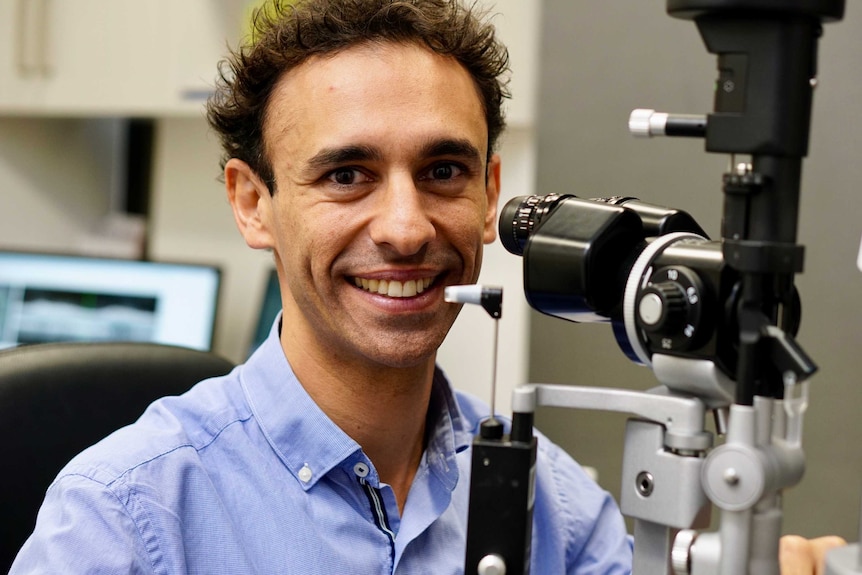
point(360, 469)
point(305, 474)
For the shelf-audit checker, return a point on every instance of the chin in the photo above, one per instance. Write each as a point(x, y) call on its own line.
point(405, 358)
point(401, 352)
point(403, 363)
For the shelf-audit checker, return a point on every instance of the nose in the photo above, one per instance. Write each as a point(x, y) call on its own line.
point(401, 220)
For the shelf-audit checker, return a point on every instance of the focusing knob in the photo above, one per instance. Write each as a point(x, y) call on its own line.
point(669, 309)
point(662, 307)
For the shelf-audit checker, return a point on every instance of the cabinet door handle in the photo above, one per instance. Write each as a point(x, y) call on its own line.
point(31, 37)
point(24, 38)
point(46, 36)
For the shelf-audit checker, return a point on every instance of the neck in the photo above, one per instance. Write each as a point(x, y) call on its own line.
point(382, 408)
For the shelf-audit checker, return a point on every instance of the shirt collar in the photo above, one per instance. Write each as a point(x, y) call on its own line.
point(303, 437)
point(450, 433)
point(311, 445)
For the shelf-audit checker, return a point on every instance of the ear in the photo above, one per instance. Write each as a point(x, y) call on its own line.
point(251, 202)
point(492, 191)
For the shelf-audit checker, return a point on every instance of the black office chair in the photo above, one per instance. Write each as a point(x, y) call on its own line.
point(56, 399)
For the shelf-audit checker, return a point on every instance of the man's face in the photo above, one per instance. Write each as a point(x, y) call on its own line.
point(381, 200)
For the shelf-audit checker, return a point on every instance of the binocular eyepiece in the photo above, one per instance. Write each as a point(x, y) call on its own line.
point(648, 270)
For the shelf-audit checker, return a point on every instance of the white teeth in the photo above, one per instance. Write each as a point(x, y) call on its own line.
point(394, 288)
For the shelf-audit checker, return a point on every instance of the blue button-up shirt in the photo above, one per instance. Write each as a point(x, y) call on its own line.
point(245, 474)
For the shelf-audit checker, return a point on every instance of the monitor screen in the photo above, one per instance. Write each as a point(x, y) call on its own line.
point(270, 305)
point(48, 298)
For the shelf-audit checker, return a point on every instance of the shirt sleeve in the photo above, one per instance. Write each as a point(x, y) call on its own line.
point(578, 527)
point(82, 527)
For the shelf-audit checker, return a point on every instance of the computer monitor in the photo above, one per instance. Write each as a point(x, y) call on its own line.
point(270, 305)
point(49, 298)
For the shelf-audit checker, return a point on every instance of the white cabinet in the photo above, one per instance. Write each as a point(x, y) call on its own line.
point(112, 57)
point(159, 57)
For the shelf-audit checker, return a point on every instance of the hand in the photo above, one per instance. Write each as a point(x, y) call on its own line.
point(800, 556)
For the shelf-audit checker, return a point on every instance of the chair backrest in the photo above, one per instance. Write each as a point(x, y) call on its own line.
point(57, 399)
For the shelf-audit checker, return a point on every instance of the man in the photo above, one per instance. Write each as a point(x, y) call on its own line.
point(359, 139)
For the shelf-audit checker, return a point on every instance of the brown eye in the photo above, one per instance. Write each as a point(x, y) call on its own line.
point(444, 171)
point(344, 177)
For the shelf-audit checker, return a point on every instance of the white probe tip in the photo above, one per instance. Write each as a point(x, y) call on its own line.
point(463, 294)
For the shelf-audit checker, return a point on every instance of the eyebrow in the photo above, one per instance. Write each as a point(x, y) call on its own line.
point(328, 157)
point(342, 155)
point(451, 147)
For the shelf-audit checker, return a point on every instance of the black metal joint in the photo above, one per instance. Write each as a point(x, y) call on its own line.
point(763, 257)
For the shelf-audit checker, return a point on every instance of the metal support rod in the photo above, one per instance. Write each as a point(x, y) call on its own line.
point(683, 415)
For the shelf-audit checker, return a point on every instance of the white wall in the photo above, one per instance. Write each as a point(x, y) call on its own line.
point(57, 180)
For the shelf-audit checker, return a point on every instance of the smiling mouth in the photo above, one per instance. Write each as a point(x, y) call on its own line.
point(393, 288)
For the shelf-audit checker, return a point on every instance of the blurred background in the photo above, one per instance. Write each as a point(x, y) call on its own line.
point(104, 152)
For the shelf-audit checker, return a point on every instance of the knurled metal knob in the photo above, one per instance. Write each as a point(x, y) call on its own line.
point(681, 552)
point(662, 307)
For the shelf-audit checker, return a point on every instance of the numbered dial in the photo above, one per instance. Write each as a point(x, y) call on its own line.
point(670, 309)
point(662, 307)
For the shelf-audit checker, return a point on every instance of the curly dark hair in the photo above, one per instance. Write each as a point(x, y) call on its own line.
point(287, 33)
